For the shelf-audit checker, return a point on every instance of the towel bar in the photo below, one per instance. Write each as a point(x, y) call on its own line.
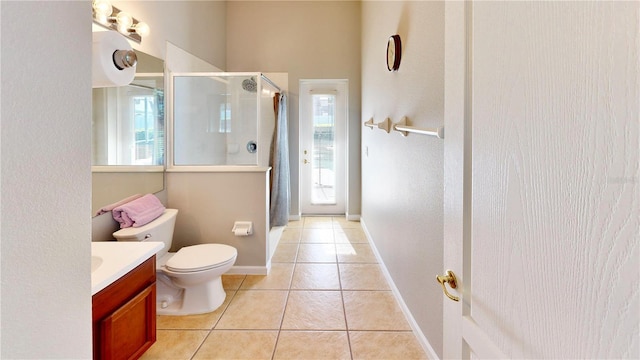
point(403, 128)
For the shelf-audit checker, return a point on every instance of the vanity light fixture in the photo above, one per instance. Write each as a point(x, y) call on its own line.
point(112, 18)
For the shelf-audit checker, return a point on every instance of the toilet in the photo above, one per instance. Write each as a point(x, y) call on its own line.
point(189, 281)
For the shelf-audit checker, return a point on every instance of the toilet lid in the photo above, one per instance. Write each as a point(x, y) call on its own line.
point(201, 257)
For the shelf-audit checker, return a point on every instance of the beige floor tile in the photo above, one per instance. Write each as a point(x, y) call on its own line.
point(355, 253)
point(323, 253)
point(285, 253)
point(232, 281)
point(340, 222)
point(175, 344)
point(312, 345)
point(314, 310)
point(371, 345)
point(294, 224)
point(238, 345)
point(318, 236)
point(350, 236)
point(373, 310)
point(318, 222)
point(291, 235)
point(310, 276)
point(201, 321)
point(362, 277)
point(245, 326)
point(254, 309)
point(279, 278)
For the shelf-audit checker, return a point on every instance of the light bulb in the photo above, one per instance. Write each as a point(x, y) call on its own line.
point(102, 10)
point(102, 7)
point(124, 20)
point(142, 29)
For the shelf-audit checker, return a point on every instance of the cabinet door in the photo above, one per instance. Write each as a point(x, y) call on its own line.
point(131, 329)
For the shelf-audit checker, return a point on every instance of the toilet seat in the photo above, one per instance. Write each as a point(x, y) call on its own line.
point(201, 257)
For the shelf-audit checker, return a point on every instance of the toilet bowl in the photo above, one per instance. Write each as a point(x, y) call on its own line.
point(189, 280)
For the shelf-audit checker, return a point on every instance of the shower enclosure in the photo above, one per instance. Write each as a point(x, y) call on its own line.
point(222, 119)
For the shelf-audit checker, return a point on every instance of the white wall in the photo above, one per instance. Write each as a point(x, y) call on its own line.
point(180, 60)
point(46, 179)
point(402, 178)
point(308, 40)
point(195, 26)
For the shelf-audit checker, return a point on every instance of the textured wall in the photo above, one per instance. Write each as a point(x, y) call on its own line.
point(46, 180)
point(308, 40)
point(402, 178)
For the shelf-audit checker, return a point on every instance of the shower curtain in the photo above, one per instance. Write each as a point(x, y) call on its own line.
point(279, 162)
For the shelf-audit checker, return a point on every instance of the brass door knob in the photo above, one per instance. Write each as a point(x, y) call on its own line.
point(305, 161)
point(450, 278)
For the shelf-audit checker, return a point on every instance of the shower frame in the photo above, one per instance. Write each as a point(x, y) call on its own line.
point(261, 79)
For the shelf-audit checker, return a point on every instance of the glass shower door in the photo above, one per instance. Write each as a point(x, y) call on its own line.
point(215, 119)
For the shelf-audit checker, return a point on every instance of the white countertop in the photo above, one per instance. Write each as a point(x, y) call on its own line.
point(115, 259)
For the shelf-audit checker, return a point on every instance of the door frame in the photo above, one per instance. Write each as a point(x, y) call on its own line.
point(340, 87)
point(460, 332)
point(456, 155)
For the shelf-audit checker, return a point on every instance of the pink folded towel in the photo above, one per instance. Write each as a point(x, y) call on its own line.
point(138, 212)
point(110, 207)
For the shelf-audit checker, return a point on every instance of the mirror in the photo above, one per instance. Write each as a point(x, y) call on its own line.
point(128, 136)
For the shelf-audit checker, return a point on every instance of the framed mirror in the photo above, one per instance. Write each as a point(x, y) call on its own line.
point(128, 136)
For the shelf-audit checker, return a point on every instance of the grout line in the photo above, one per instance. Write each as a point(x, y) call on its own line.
point(334, 226)
point(344, 308)
point(235, 292)
point(200, 346)
point(286, 302)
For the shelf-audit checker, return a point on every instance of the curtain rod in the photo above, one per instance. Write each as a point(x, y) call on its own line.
point(270, 82)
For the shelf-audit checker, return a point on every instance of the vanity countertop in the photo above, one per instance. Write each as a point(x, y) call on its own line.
point(110, 260)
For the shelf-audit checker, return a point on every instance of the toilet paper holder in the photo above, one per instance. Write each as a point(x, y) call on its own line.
point(242, 228)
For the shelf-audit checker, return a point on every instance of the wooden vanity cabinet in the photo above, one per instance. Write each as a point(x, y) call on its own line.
point(124, 315)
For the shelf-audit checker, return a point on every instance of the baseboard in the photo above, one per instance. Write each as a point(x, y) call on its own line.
point(249, 270)
point(407, 313)
point(275, 233)
point(352, 217)
point(295, 217)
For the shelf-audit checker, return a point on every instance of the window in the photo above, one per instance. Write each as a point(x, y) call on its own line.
point(225, 118)
point(144, 116)
point(324, 109)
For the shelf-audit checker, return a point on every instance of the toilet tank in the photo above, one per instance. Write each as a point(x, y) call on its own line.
point(160, 229)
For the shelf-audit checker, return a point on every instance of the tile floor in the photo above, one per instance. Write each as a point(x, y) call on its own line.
point(325, 298)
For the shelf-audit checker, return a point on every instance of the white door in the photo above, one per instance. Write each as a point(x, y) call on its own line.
point(542, 203)
point(323, 118)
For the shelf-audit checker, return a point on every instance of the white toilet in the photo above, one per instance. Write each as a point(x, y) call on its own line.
point(188, 281)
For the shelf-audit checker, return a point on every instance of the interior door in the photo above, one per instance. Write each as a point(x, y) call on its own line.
point(323, 118)
point(542, 200)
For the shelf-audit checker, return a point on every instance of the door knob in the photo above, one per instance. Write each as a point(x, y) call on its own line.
point(305, 161)
point(450, 278)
